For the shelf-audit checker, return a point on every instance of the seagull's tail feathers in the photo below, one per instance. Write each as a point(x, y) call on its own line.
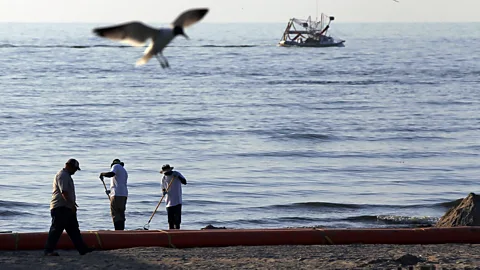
point(143, 60)
point(146, 56)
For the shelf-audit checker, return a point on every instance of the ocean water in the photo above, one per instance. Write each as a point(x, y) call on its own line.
point(384, 132)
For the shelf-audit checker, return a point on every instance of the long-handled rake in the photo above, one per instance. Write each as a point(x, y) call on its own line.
point(108, 195)
point(147, 226)
point(106, 190)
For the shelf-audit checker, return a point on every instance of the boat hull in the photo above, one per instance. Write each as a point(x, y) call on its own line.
point(287, 43)
point(251, 237)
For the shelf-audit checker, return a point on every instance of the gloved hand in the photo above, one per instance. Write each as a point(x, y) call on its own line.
point(165, 192)
point(75, 206)
point(108, 192)
point(101, 177)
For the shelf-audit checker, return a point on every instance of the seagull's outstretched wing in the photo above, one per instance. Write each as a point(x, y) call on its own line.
point(133, 33)
point(190, 17)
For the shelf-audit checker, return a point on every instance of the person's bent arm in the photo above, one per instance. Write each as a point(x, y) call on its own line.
point(107, 174)
point(182, 179)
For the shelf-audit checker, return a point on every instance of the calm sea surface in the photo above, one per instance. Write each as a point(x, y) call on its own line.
point(384, 132)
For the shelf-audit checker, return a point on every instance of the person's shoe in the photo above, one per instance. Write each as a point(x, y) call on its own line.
point(119, 225)
point(88, 250)
point(54, 253)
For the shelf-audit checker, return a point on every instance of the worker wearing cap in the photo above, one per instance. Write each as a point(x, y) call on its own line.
point(118, 192)
point(172, 182)
point(63, 209)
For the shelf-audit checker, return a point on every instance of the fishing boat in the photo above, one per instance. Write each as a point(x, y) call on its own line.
point(310, 33)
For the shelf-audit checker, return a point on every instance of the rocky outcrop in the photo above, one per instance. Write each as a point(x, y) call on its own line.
point(467, 213)
point(409, 259)
point(211, 227)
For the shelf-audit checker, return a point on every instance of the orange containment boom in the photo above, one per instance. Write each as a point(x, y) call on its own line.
point(248, 237)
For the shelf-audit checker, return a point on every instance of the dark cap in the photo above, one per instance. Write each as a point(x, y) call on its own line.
point(116, 161)
point(166, 168)
point(74, 163)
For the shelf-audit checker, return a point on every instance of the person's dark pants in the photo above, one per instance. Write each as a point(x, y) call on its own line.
point(64, 218)
point(174, 216)
point(118, 206)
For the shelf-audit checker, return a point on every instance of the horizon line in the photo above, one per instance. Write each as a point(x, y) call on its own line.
point(233, 22)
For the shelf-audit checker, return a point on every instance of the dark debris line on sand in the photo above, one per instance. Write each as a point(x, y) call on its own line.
point(447, 256)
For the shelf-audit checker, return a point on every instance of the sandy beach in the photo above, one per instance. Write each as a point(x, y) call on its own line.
point(446, 256)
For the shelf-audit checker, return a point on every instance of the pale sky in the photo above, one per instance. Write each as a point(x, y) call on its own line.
point(165, 11)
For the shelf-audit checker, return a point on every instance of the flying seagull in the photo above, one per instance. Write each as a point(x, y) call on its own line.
point(137, 34)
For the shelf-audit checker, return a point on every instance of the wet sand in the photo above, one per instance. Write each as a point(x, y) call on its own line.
point(446, 256)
